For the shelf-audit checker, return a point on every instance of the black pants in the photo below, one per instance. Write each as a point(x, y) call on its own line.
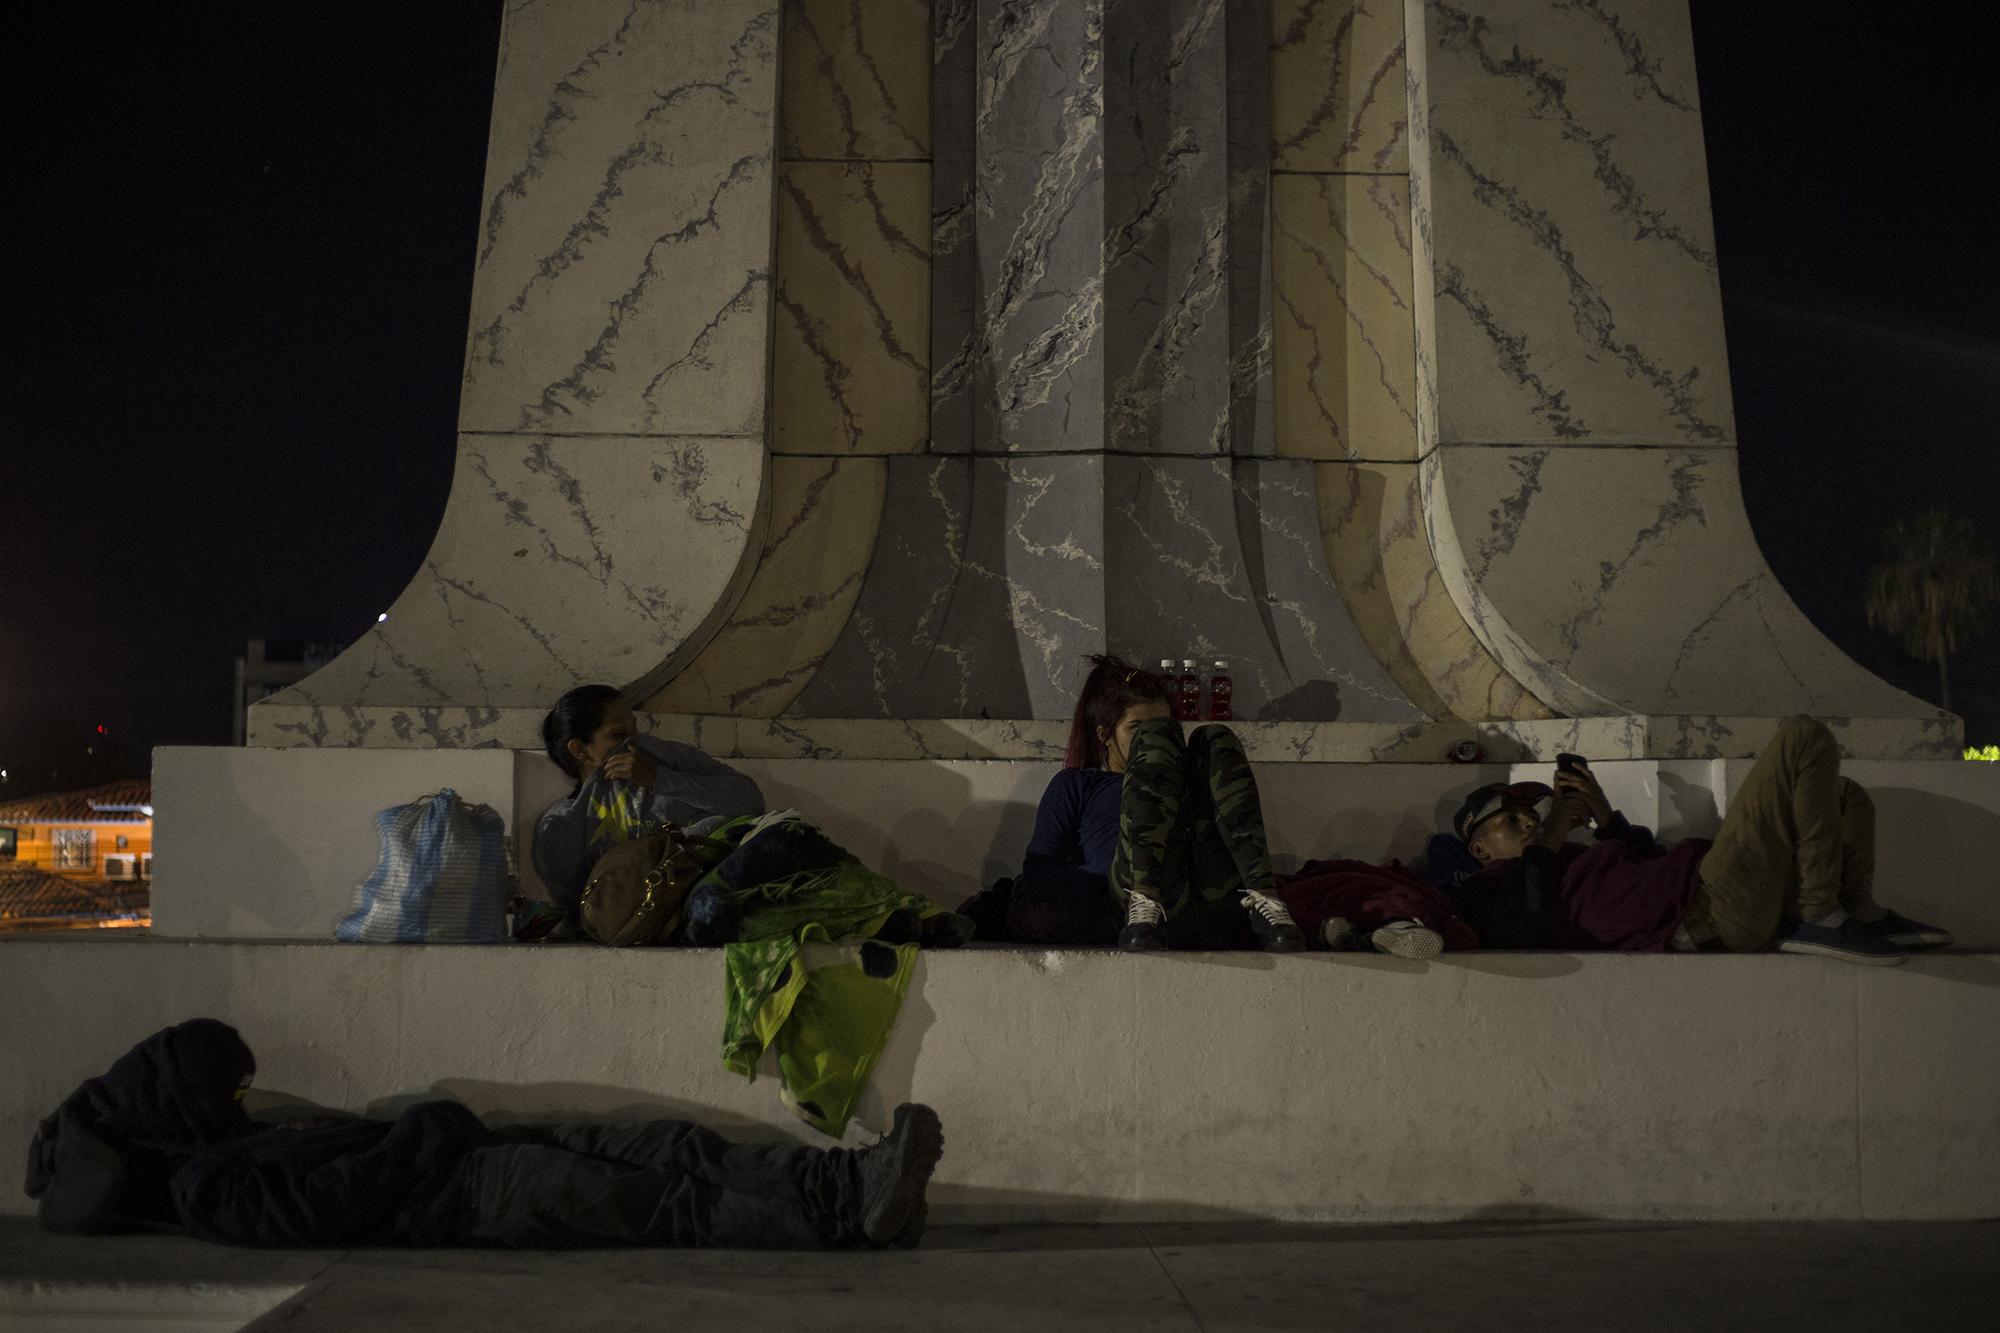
point(663, 1183)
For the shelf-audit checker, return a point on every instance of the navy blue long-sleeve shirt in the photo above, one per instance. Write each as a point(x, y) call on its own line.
point(1076, 824)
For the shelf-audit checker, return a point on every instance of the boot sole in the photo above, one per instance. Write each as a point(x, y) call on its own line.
point(919, 1138)
point(1845, 955)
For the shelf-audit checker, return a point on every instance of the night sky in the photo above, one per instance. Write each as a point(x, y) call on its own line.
point(241, 241)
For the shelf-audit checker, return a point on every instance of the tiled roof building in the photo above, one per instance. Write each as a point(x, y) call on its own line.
point(34, 897)
point(128, 801)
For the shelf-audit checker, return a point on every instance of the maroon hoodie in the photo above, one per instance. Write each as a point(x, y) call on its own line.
point(1624, 892)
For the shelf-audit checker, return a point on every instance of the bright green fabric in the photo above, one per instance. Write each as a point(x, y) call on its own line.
point(846, 901)
point(796, 984)
point(817, 1005)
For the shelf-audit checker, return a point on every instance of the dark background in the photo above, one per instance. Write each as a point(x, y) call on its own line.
point(242, 234)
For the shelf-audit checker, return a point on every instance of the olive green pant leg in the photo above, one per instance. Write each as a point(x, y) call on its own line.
point(1231, 851)
point(1152, 812)
point(1857, 850)
point(1778, 854)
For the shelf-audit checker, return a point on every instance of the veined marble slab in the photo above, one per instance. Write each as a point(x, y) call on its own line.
point(1564, 193)
point(1041, 741)
point(560, 560)
point(851, 358)
point(992, 578)
point(1344, 317)
point(856, 80)
point(817, 543)
point(1615, 580)
point(1372, 517)
point(623, 273)
point(1337, 86)
point(985, 588)
point(1099, 224)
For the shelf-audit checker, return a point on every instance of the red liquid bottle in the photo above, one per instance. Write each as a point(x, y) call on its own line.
point(1220, 691)
point(1187, 699)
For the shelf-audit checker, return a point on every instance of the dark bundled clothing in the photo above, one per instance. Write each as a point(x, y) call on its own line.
point(350, 1182)
point(102, 1162)
point(160, 1142)
point(1624, 892)
point(1369, 896)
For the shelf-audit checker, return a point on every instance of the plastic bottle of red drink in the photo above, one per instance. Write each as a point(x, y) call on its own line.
point(1187, 699)
point(1220, 691)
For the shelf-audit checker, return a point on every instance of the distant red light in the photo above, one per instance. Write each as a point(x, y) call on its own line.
point(100, 730)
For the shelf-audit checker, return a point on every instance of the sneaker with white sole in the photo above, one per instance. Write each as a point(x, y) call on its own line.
point(1850, 941)
point(1145, 923)
point(1271, 922)
point(1899, 929)
point(1408, 939)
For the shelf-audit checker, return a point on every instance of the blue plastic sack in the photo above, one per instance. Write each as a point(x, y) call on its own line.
point(442, 878)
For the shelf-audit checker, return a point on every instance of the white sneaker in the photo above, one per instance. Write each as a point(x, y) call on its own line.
point(1408, 939)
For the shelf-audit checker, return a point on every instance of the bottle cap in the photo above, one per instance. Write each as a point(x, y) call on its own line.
point(1221, 665)
point(1187, 664)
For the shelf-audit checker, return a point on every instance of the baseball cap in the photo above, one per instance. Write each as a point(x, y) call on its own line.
point(1492, 799)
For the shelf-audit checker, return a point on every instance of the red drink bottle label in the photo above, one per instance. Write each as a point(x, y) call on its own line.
point(1220, 688)
point(1187, 700)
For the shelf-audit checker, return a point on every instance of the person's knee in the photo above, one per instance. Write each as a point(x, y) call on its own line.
point(1803, 735)
point(1212, 738)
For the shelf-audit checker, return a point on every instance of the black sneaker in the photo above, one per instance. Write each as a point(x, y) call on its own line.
point(1271, 922)
point(1899, 929)
point(1145, 923)
point(1850, 941)
point(894, 1174)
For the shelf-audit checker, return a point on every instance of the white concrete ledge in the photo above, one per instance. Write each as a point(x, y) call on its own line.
point(269, 844)
point(1084, 1085)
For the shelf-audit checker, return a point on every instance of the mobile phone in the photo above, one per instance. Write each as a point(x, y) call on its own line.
point(1569, 763)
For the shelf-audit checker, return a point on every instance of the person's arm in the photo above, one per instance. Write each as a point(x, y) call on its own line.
point(562, 836)
point(1581, 791)
point(1054, 839)
point(699, 782)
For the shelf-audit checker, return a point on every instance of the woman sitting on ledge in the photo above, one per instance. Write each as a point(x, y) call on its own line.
point(625, 782)
point(1147, 838)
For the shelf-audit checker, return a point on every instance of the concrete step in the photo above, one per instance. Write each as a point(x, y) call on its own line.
point(1087, 1086)
point(269, 843)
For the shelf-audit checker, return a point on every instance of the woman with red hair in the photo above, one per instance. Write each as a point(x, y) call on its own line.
point(1145, 836)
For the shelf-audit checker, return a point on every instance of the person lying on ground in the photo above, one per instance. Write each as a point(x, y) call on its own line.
point(1145, 838)
point(1793, 865)
point(161, 1142)
point(626, 783)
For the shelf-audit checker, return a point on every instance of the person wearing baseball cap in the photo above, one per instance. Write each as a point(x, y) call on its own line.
point(1792, 866)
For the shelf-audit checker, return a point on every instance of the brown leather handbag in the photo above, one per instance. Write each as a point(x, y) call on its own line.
point(637, 889)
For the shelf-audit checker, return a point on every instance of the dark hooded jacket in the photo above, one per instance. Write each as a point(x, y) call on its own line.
point(161, 1142)
point(103, 1160)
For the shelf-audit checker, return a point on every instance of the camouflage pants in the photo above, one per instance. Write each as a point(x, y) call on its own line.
point(1191, 832)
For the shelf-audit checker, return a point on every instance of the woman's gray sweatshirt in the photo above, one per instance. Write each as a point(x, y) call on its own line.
point(692, 788)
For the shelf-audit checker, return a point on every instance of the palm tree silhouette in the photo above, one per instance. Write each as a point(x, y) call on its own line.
point(1933, 588)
